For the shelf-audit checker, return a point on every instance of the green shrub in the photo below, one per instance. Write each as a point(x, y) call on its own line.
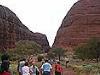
point(24, 49)
point(40, 57)
point(90, 50)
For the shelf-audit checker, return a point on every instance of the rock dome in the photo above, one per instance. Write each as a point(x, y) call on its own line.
point(81, 23)
point(13, 30)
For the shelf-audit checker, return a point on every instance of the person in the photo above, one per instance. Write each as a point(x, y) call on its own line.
point(46, 68)
point(5, 61)
point(34, 69)
point(3, 69)
point(25, 69)
point(30, 60)
point(20, 65)
point(42, 62)
point(58, 69)
point(66, 61)
point(5, 73)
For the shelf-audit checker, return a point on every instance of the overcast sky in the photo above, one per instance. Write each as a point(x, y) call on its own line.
point(44, 16)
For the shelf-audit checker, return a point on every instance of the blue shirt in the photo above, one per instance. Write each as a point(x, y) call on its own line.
point(46, 67)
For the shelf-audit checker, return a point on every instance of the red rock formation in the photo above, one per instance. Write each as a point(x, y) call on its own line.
point(12, 30)
point(7, 29)
point(81, 23)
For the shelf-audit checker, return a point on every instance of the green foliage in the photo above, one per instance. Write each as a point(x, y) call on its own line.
point(23, 49)
point(79, 52)
point(94, 48)
point(91, 50)
point(40, 57)
point(28, 47)
point(57, 52)
point(50, 55)
point(87, 69)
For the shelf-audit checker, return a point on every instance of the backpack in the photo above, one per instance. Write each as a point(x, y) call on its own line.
point(37, 72)
point(0, 69)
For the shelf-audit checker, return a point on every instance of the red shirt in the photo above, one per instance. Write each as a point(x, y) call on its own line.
point(5, 73)
point(58, 68)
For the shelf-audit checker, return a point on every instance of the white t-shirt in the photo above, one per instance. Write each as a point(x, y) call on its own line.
point(46, 67)
point(25, 70)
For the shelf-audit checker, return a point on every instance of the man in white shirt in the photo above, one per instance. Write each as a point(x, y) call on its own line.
point(46, 68)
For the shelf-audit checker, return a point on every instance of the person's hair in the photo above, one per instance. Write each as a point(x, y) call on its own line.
point(23, 59)
point(46, 60)
point(26, 63)
point(58, 62)
point(5, 56)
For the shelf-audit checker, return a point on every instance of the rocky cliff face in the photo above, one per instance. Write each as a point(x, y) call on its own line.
point(81, 23)
point(12, 30)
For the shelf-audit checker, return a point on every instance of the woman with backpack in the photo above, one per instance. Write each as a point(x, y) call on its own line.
point(34, 69)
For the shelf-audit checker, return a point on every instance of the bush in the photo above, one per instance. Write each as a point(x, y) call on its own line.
point(40, 57)
point(90, 50)
point(57, 52)
point(24, 49)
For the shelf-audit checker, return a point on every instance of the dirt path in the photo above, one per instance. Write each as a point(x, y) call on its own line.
point(68, 71)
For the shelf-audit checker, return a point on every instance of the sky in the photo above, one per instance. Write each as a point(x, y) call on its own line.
point(43, 16)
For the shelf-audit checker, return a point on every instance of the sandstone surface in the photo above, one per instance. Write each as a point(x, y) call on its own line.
point(81, 23)
point(13, 30)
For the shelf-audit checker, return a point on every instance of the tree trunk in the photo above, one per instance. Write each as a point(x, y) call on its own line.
point(97, 60)
point(59, 57)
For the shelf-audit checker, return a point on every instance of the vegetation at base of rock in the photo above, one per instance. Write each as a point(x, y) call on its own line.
point(24, 49)
point(57, 52)
point(87, 69)
point(91, 50)
point(40, 57)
